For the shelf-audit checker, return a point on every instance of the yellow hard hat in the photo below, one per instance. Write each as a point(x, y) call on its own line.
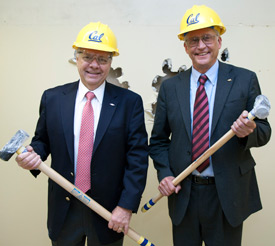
point(199, 17)
point(97, 36)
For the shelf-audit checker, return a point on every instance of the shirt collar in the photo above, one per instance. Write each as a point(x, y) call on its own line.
point(211, 73)
point(99, 92)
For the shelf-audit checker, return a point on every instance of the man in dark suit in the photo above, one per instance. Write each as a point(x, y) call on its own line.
point(116, 159)
point(211, 204)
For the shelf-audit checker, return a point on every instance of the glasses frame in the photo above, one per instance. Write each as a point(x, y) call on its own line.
point(196, 40)
point(89, 58)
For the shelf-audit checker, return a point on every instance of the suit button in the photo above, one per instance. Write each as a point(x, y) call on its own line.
point(68, 198)
point(188, 152)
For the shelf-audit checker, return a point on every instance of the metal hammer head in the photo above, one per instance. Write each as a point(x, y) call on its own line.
point(261, 107)
point(13, 145)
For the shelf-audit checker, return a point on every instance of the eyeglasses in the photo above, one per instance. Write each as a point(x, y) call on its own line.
point(102, 60)
point(207, 39)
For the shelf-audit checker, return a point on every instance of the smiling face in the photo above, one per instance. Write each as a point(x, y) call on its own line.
point(91, 71)
point(203, 56)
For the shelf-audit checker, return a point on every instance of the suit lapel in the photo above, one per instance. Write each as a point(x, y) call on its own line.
point(67, 116)
point(183, 95)
point(224, 84)
point(109, 105)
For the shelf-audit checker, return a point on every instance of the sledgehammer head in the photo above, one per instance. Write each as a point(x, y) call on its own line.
point(261, 107)
point(13, 145)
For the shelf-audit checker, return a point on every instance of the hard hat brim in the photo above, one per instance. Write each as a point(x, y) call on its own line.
point(220, 28)
point(100, 47)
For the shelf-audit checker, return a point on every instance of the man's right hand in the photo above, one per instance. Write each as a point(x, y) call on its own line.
point(166, 187)
point(28, 160)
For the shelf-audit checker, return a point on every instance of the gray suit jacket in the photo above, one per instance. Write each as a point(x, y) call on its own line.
point(233, 164)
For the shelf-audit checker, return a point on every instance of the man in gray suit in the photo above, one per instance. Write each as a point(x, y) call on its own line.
point(211, 204)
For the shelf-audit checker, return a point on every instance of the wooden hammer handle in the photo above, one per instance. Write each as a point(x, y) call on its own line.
point(225, 138)
point(88, 201)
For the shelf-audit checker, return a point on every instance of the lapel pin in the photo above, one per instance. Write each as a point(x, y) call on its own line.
point(229, 80)
point(112, 104)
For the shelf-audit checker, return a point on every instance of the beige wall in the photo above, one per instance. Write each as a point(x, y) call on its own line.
point(35, 45)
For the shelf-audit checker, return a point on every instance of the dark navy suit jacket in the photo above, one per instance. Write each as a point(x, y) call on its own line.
point(120, 155)
point(233, 164)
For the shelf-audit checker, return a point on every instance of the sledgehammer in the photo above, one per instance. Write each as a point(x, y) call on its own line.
point(15, 145)
point(260, 110)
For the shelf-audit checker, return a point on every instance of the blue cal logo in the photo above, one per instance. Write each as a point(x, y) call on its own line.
point(95, 37)
point(194, 20)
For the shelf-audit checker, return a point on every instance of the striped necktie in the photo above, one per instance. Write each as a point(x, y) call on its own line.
point(85, 148)
point(200, 140)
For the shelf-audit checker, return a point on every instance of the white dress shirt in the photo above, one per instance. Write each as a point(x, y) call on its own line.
point(79, 105)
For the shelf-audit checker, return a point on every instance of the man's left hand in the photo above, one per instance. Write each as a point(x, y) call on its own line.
point(120, 220)
point(242, 127)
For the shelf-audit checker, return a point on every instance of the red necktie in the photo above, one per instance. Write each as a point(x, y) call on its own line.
point(200, 141)
point(85, 148)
